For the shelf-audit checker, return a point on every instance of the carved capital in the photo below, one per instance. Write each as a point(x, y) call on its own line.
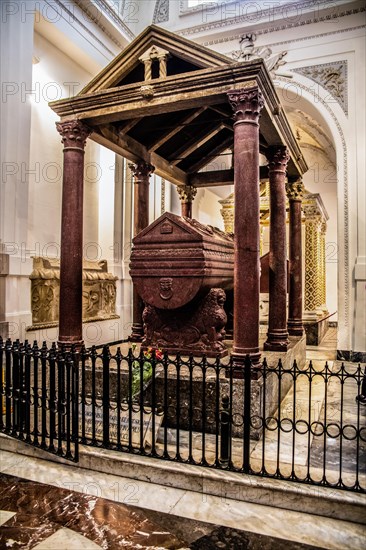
point(278, 158)
point(295, 190)
point(246, 103)
point(74, 133)
point(141, 170)
point(186, 192)
point(312, 214)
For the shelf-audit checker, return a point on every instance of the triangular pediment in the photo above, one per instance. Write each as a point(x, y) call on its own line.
point(182, 56)
point(167, 228)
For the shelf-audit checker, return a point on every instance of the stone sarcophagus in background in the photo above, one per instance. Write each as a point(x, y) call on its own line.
point(181, 270)
point(99, 292)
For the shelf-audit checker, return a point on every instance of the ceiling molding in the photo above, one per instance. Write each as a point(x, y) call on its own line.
point(219, 24)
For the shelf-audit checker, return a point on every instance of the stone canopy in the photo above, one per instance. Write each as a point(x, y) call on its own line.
point(164, 100)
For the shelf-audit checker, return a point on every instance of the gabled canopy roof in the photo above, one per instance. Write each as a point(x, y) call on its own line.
point(164, 100)
point(185, 50)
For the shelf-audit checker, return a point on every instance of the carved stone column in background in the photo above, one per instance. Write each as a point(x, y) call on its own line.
point(186, 195)
point(141, 172)
point(247, 105)
point(74, 134)
point(313, 267)
point(295, 192)
point(277, 336)
point(323, 231)
point(227, 212)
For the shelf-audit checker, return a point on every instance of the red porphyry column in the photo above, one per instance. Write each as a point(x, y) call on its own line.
point(295, 192)
point(74, 134)
point(277, 336)
point(247, 104)
point(141, 171)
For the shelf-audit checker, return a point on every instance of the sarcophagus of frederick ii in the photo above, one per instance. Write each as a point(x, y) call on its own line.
point(181, 270)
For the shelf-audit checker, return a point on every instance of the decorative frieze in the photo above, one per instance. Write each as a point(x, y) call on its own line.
point(161, 12)
point(331, 76)
point(99, 292)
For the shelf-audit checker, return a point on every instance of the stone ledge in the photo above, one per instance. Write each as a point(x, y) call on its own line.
point(230, 486)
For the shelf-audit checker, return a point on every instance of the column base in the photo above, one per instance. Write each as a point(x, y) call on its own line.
point(276, 341)
point(238, 360)
point(4, 329)
point(68, 344)
point(295, 327)
point(137, 333)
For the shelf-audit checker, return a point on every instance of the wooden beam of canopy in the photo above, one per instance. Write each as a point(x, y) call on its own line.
point(201, 88)
point(214, 178)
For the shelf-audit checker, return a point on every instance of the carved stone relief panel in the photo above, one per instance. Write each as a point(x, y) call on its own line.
point(332, 76)
point(99, 292)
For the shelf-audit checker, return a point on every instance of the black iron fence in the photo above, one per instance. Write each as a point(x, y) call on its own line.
point(39, 397)
point(297, 424)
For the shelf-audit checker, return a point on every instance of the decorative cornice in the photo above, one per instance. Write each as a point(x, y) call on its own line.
point(105, 7)
point(332, 76)
point(74, 133)
point(246, 103)
point(219, 24)
point(161, 11)
point(237, 36)
point(72, 17)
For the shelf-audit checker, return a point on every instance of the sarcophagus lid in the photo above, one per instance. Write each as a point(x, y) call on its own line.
point(175, 259)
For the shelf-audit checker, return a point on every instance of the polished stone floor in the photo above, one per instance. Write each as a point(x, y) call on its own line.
point(37, 516)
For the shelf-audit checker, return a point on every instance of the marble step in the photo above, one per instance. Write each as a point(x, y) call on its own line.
point(325, 502)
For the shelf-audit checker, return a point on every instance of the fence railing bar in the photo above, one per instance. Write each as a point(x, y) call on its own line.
point(35, 355)
point(294, 377)
point(217, 410)
point(341, 425)
point(204, 412)
point(44, 356)
point(28, 391)
point(278, 470)
point(106, 356)
point(326, 380)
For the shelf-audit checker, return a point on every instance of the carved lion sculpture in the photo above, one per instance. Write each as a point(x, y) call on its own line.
point(211, 319)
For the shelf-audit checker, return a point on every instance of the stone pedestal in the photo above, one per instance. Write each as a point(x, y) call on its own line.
point(198, 404)
point(315, 329)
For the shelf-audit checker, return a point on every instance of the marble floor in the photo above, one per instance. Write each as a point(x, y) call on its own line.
point(62, 507)
point(55, 506)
